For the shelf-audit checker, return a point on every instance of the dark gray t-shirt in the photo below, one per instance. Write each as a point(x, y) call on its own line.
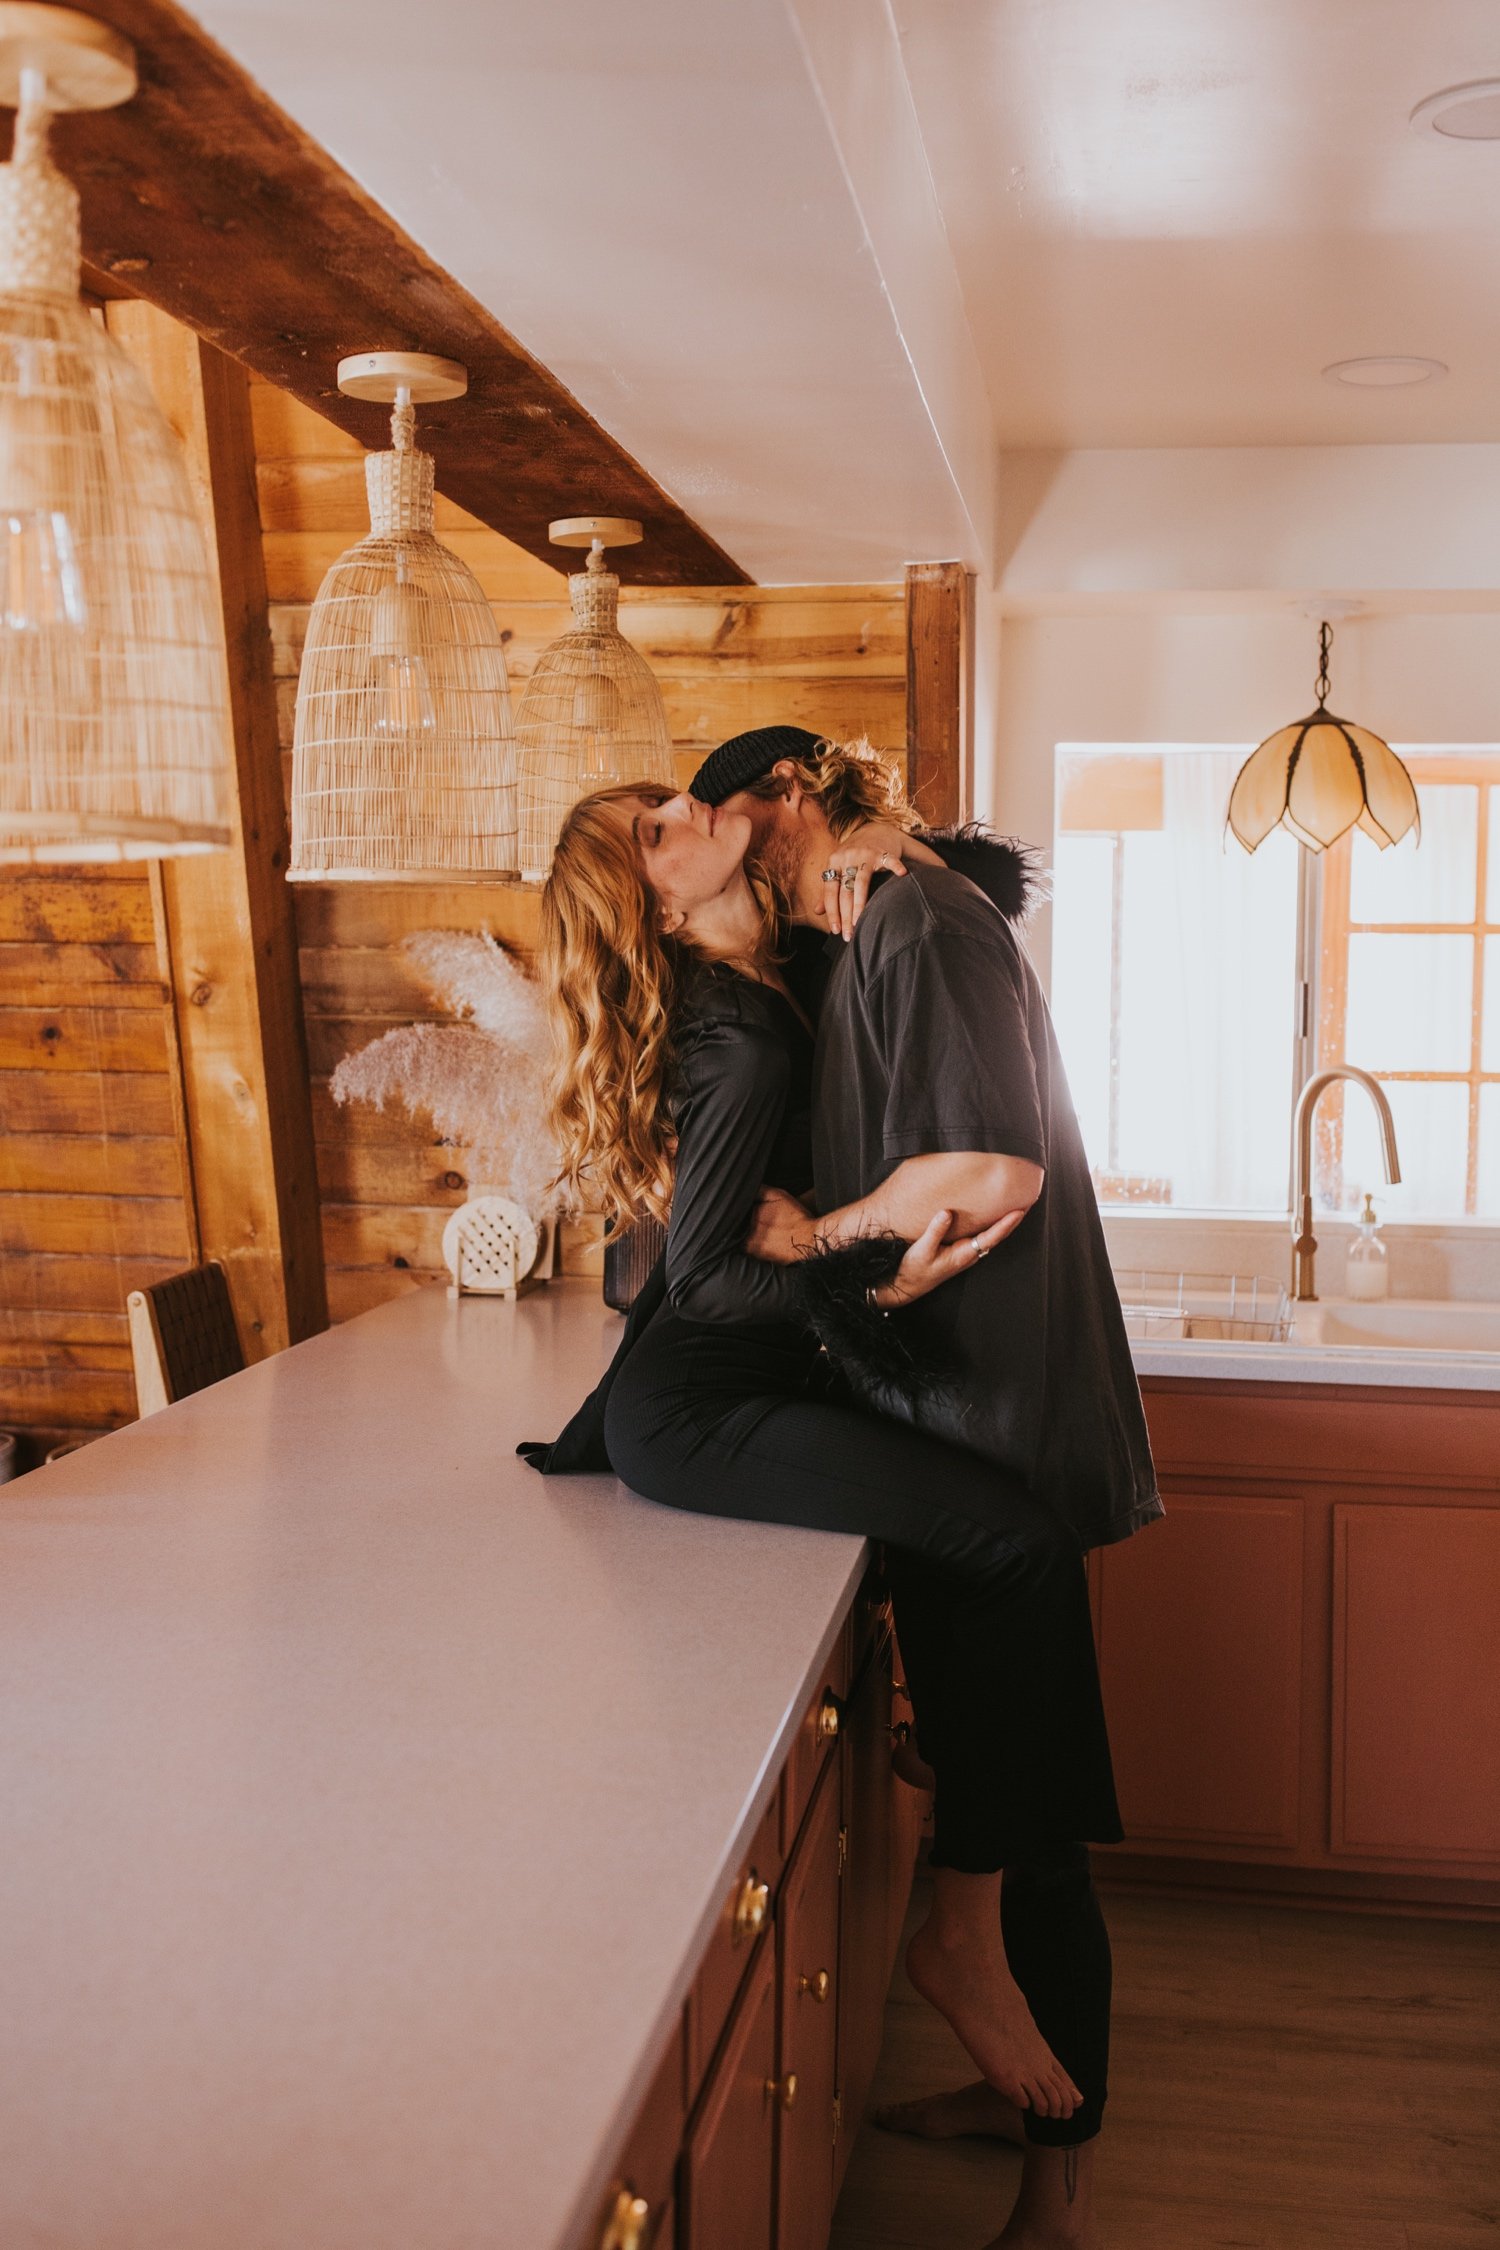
point(935, 1036)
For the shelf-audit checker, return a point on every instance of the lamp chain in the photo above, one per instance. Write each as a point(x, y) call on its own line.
point(1325, 639)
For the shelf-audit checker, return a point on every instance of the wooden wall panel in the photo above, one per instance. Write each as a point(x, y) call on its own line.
point(833, 658)
point(91, 1184)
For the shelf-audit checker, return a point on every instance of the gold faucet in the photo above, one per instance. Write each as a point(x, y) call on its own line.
point(1304, 1241)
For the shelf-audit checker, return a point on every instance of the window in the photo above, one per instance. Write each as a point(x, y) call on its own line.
point(1193, 983)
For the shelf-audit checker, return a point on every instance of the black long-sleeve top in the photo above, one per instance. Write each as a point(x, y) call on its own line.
point(741, 1109)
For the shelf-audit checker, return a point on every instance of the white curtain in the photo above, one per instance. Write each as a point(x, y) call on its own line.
point(1209, 948)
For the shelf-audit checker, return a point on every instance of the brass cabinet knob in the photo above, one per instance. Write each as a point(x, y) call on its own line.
point(830, 1717)
point(751, 1908)
point(625, 2228)
point(899, 1687)
point(783, 2090)
point(816, 1988)
point(901, 1733)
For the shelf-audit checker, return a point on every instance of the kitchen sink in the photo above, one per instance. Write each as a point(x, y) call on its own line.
point(1404, 1324)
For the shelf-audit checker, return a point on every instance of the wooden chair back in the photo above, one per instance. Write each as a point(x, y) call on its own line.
point(182, 1336)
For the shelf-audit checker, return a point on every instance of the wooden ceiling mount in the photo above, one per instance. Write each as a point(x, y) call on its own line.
point(203, 197)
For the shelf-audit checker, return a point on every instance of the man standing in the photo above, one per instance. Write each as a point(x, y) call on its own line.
point(938, 1084)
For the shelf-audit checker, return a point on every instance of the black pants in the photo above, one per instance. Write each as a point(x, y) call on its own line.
point(992, 1611)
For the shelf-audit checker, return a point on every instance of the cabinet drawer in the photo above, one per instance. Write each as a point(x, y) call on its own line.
point(807, 1936)
point(743, 1917)
point(726, 2167)
point(816, 1740)
point(636, 2211)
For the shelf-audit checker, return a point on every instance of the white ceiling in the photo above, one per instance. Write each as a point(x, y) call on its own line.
point(1148, 223)
point(1169, 215)
point(650, 199)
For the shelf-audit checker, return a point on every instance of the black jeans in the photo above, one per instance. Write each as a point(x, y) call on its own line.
point(992, 1612)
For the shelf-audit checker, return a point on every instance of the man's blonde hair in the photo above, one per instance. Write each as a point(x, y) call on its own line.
point(851, 782)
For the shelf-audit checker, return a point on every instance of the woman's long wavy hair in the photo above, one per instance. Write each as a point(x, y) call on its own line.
point(852, 782)
point(613, 983)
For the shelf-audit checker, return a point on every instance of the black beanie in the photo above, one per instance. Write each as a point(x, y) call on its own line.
point(749, 757)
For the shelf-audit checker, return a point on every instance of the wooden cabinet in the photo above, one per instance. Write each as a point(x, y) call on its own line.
point(781, 2029)
point(1300, 1663)
point(1416, 1708)
point(1200, 1645)
point(807, 1918)
point(727, 2201)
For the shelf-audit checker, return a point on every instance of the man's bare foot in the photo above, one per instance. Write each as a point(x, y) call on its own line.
point(972, 1986)
point(909, 1765)
point(978, 2110)
point(1055, 2208)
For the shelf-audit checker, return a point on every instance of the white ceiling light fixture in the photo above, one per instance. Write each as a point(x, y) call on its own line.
point(1393, 371)
point(113, 718)
point(1462, 113)
point(403, 761)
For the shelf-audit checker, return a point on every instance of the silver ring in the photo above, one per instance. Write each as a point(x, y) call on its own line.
point(851, 877)
point(830, 874)
point(979, 1252)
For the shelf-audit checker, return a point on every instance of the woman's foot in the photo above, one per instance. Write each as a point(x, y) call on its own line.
point(977, 2111)
point(963, 1972)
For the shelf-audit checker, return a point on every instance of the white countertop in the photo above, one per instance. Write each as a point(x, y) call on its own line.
point(367, 1797)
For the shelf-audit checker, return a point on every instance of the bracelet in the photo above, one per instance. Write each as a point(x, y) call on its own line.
point(883, 1310)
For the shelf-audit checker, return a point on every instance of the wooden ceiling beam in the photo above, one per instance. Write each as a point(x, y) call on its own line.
point(207, 200)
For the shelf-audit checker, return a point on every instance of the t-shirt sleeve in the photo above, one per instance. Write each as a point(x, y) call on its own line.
point(948, 1013)
point(731, 1093)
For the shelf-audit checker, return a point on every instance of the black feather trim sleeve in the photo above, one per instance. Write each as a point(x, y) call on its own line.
point(871, 1348)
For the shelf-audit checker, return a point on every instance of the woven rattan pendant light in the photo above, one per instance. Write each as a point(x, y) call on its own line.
point(113, 720)
point(403, 759)
point(592, 712)
point(1321, 777)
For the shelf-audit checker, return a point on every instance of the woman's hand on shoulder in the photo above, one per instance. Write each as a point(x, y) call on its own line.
point(932, 1259)
point(877, 848)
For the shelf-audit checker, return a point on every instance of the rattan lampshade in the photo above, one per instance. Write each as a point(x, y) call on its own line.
point(1321, 777)
point(403, 759)
point(592, 712)
point(113, 717)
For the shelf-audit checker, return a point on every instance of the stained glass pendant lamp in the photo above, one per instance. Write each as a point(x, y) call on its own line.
point(403, 757)
point(114, 737)
point(592, 712)
point(1322, 777)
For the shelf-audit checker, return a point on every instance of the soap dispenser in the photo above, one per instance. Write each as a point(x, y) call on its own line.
point(1368, 1274)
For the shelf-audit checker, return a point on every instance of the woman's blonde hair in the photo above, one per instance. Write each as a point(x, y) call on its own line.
point(852, 781)
point(613, 982)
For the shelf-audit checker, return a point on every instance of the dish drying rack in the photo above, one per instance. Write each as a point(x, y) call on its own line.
point(1162, 1308)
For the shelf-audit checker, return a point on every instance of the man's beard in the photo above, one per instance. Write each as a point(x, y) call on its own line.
point(780, 859)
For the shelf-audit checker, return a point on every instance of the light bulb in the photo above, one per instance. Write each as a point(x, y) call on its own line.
point(406, 703)
point(40, 586)
point(598, 719)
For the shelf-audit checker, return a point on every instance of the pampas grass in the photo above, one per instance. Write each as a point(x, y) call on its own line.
point(481, 1080)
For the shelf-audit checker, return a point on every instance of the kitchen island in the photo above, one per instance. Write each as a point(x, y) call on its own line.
point(373, 1803)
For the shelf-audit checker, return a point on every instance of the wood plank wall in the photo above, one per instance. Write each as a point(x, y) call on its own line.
point(92, 1200)
point(727, 658)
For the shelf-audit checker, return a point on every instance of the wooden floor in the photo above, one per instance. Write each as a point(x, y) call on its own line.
point(1281, 2080)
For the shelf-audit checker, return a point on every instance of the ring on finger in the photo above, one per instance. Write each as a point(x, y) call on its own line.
point(851, 877)
point(830, 874)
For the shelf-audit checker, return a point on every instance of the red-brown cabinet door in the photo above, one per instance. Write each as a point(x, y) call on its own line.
point(1416, 1717)
point(865, 1955)
point(726, 2172)
point(808, 1933)
point(1200, 1646)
